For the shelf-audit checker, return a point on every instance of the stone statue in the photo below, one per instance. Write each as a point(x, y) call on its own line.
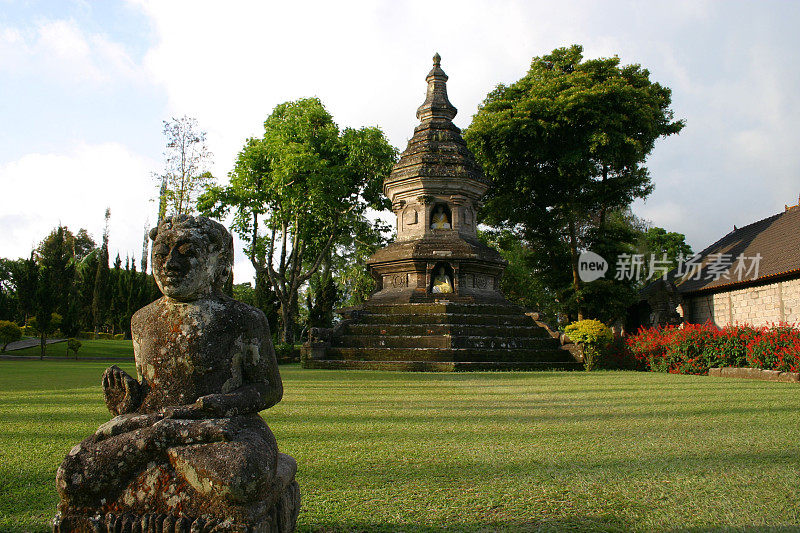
point(442, 283)
point(187, 449)
point(439, 219)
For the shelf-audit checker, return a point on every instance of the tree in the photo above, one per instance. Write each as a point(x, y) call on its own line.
point(565, 145)
point(85, 274)
point(528, 279)
point(56, 276)
point(186, 162)
point(354, 282)
point(297, 189)
point(663, 245)
point(25, 276)
point(100, 291)
point(78, 245)
point(9, 332)
point(8, 297)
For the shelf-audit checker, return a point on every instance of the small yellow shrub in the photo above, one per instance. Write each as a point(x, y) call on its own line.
point(594, 335)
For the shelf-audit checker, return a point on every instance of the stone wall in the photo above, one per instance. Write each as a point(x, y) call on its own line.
point(761, 305)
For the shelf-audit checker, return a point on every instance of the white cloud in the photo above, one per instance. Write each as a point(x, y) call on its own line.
point(73, 189)
point(60, 50)
point(230, 65)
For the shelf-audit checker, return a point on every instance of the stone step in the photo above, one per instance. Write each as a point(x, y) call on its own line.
point(448, 354)
point(447, 318)
point(444, 341)
point(445, 329)
point(441, 307)
point(433, 366)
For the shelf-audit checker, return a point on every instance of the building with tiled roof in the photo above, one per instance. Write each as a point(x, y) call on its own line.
point(749, 276)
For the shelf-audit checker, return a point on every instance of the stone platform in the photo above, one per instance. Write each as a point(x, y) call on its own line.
point(437, 337)
point(754, 373)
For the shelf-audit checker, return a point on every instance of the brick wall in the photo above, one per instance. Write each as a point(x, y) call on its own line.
point(776, 302)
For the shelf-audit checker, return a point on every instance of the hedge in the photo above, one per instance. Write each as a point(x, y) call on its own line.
point(694, 348)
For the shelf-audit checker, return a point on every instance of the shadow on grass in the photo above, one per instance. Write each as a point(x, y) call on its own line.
point(587, 523)
point(740, 529)
point(555, 525)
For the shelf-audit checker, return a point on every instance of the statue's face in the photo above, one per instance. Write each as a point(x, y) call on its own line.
point(183, 267)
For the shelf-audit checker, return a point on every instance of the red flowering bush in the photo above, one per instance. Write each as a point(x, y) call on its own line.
point(777, 348)
point(694, 348)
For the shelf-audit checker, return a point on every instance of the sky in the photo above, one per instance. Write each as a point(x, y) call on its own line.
point(85, 86)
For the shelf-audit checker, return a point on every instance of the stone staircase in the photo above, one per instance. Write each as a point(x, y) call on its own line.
point(439, 337)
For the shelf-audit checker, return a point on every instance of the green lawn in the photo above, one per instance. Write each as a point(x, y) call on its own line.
point(470, 452)
point(89, 348)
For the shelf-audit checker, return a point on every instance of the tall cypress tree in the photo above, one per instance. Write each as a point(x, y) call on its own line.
point(100, 292)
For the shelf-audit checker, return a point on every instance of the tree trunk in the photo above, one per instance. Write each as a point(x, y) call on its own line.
point(288, 327)
point(42, 344)
point(573, 250)
point(602, 224)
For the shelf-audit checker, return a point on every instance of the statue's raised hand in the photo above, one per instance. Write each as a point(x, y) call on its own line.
point(123, 394)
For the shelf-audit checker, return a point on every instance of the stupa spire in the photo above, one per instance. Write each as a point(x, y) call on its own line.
point(436, 105)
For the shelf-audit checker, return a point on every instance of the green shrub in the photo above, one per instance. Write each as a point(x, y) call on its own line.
point(594, 336)
point(286, 353)
point(105, 336)
point(9, 332)
point(119, 337)
point(74, 345)
point(85, 335)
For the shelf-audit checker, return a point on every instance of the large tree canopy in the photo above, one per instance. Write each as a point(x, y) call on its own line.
point(296, 190)
point(566, 144)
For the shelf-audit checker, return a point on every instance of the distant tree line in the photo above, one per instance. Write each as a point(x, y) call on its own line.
point(66, 285)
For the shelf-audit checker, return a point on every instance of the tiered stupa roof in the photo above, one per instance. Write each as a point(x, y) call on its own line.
point(436, 151)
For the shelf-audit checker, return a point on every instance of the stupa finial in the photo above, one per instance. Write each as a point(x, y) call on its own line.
point(436, 104)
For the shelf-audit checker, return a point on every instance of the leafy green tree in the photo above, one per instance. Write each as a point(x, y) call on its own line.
point(85, 273)
point(79, 245)
point(56, 276)
point(665, 246)
point(354, 282)
point(565, 145)
point(9, 332)
point(25, 277)
point(296, 190)
point(8, 296)
point(245, 293)
point(529, 279)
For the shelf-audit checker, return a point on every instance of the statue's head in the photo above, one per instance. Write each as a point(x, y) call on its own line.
point(192, 256)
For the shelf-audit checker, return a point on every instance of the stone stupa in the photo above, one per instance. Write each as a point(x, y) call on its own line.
point(438, 304)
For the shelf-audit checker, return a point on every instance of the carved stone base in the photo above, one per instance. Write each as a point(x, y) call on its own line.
point(281, 517)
